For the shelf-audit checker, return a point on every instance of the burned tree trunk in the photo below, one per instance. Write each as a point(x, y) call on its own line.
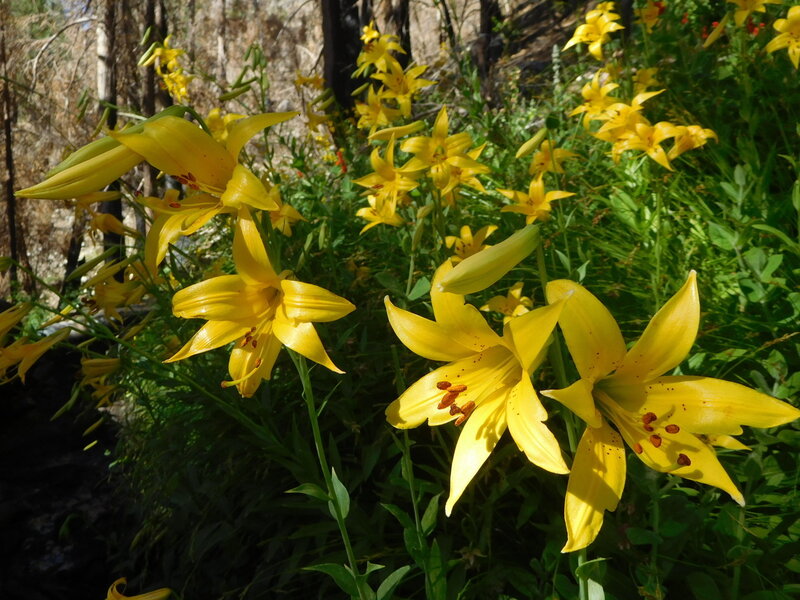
point(397, 16)
point(341, 45)
point(8, 117)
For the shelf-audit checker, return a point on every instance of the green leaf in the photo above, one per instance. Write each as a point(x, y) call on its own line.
point(340, 574)
point(342, 496)
point(596, 591)
point(639, 536)
point(310, 489)
point(703, 586)
point(429, 518)
point(422, 287)
point(721, 237)
point(388, 585)
point(400, 515)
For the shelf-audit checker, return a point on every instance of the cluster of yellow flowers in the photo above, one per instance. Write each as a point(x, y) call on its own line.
point(259, 306)
point(397, 85)
point(168, 67)
point(600, 23)
point(20, 355)
point(626, 128)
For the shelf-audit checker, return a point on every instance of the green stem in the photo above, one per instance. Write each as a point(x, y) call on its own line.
point(308, 394)
point(556, 356)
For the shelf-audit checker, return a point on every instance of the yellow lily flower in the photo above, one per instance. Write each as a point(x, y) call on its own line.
point(285, 217)
point(535, 204)
point(379, 211)
point(468, 244)
point(11, 317)
point(548, 159)
point(744, 8)
point(486, 386)
point(647, 138)
point(650, 13)
point(688, 138)
point(376, 52)
point(389, 182)
point(645, 78)
point(595, 32)
point(668, 421)
point(402, 85)
point(219, 125)
point(109, 294)
point(789, 36)
point(511, 305)
point(596, 99)
point(374, 113)
point(442, 152)
point(23, 355)
point(258, 309)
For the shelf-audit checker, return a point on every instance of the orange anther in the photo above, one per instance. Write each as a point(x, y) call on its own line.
point(447, 400)
point(655, 440)
point(455, 409)
point(637, 447)
point(443, 385)
point(684, 460)
point(458, 388)
point(648, 418)
point(672, 428)
point(175, 204)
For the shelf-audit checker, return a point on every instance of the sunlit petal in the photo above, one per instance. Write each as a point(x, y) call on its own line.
point(592, 335)
point(249, 253)
point(244, 188)
point(244, 129)
point(226, 298)
point(211, 335)
point(531, 331)
point(423, 336)
point(481, 433)
point(667, 339)
point(308, 302)
point(578, 398)
point(595, 484)
point(303, 339)
point(525, 423)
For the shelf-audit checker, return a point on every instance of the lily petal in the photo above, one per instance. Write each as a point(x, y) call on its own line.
point(308, 302)
point(667, 339)
point(423, 336)
point(462, 321)
point(244, 129)
point(303, 339)
point(595, 485)
point(530, 333)
point(592, 335)
point(578, 398)
point(481, 433)
point(703, 405)
point(244, 188)
point(525, 415)
point(180, 148)
point(211, 335)
point(223, 298)
point(481, 270)
point(249, 254)
point(248, 365)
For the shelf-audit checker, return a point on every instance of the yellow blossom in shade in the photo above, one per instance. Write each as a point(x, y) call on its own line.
point(689, 137)
point(258, 309)
point(644, 79)
point(115, 594)
point(108, 223)
point(600, 22)
point(108, 294)
point(648, 139)
point(663, 419)
point(468, 244)
point(219, 124)
point(360, 272)
point(744, 8)
point(621, 117)
point(369, 33)
point(285, 217)
point(11, 317)
point(486, 386)
point(548, 159)
point(402, 85)
point(313, 81)
point(23, 355)
point(388, 182)
point(176, 84)
point(164, 56)
point(650, 13)
point(511, 305)
point(379, 212)
point(374, 113)
point(789, 36)
point(463, 171)
point(535, 205)
point(596, 99)
point(376, 53)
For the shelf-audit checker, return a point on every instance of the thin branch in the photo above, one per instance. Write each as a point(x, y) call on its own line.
point(50, 40)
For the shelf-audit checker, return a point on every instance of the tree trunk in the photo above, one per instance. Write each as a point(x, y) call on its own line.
point(340, 47)
point(107, 95)
point(219, 11)
point(488, 47)
point(8, 118)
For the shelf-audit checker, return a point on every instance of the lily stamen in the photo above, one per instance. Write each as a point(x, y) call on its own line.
point(684, 460)
point(672, 428)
